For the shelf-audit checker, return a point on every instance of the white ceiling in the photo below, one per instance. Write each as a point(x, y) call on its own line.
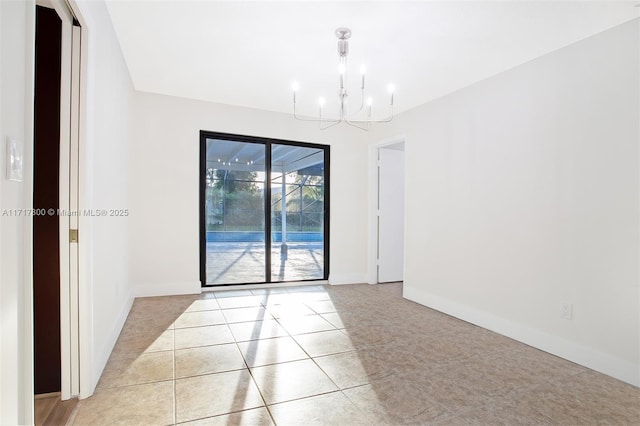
point(248, 53)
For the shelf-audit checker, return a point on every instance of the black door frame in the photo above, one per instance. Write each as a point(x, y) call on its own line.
point(267, 142)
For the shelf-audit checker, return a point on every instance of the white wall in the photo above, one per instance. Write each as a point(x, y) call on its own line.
point(16, 121)
point(105, 180)
point(164, 188)
point(522, 194)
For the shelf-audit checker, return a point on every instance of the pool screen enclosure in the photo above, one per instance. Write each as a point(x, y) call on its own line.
point(264, 210)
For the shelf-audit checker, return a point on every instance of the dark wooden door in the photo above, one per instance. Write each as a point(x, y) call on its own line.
point(46, 247)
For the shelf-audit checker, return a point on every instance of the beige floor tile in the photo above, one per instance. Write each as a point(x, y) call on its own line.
point(278, 299)
point(207, 360)
point(324, 343)
point(238, 302)
point(132, 405)
point(334, 319)
point(254, 417)
point(322, 306)
point(268, 291)
point(257, 330)
point(585, 398)
point(271, 351)
point(307, 289)
point(368, 334)
point(458, 386)
point(291, 380)
point(289, 310)
point(202, 336)
point(144, 342)
point(209, 304)
point(312, 296)
point(231, 293)
point(199, 319)
point(309, 293)
point(397, 402)
point(215, 394)
point(150, 322)
point(328, 409)
point(356, 368)
point(257, 313)
point(405, 364)
point(305, 324)
point(133, 369)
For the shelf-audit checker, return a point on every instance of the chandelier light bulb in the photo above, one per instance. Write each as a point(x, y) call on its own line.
point(295, 86)
point(391, 89)
point(369, 101)
point(321, 102)
point(342, 68)
point(363, 69)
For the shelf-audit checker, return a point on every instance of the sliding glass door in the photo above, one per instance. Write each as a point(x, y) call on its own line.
point(234, 202)
point(263, 210)
point(297, 213)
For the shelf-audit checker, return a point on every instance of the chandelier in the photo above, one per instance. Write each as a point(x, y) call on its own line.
point(357, 118)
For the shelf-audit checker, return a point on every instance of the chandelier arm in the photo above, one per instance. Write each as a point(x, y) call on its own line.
point(382, 120)
point(333, 123)
point(297, 117)
point(356, 125)
point(361, 105)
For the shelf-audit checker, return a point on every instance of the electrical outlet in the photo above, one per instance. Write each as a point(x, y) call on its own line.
point(566, 311)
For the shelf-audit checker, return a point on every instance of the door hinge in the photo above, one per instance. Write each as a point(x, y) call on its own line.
point(73, 235)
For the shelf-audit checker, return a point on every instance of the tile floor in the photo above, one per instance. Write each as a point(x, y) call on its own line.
point(344, 355)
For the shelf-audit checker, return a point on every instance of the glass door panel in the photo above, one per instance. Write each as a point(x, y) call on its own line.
point(234, 212)
point(297, 213)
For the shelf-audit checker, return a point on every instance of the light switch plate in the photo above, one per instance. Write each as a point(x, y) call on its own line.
point(14, 160)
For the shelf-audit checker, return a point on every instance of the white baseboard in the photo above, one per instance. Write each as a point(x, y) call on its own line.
point(103, 354)
point(340, 279)
point(574, 352)
point(166, 289)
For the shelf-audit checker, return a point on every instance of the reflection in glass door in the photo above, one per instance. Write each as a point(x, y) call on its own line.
point(263, 210)
point(234, 212)
point(297, 213)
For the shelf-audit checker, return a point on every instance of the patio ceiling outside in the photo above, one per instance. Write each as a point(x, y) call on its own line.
point(225, 154)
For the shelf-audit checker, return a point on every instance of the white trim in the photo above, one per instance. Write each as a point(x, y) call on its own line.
point(372, 273)
point(104, 352)
point(63, 227)
point(166, 289)
point(85, 269)
point(263, 286)
point(588, 357)
point(66, 367)
point(74, 164)
point(26, 367)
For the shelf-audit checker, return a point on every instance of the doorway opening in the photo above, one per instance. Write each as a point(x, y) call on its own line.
point(46, 198)
point(264, 210)
point(57, 86)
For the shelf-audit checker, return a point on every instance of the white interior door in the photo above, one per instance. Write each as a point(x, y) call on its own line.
point(391, 213)
point(69, 139)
